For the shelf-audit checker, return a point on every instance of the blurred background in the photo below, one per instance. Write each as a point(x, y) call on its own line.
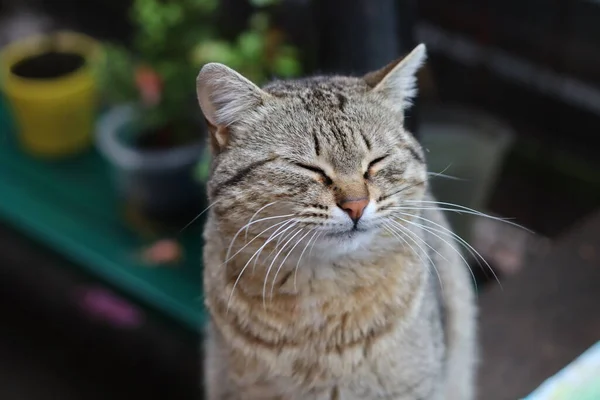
point(103, 160)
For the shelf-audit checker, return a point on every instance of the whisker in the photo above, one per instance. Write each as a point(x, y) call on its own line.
point(271, 266)
point(313, 245)
point(281, 239)
point(387, 196)
point(286, 257)
point(426, 229)
point(418, 225)
point(301, 254)
point(466, 210)
point(474, 253)
point(391, 230)
point(246, 266)
point(255, 214)
point(227, 259)
point(440, 175)
point(198, 216)
point(248, 225)
point(406, 230)
point(400, 236)
point(447, 231)
point(272, 237)
point(478, 214)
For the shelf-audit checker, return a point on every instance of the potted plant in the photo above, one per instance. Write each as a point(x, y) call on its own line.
point(153, 133)
point(51, 90)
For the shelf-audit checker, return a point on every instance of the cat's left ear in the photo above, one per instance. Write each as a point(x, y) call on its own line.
point(225, 97)
point(397, 81)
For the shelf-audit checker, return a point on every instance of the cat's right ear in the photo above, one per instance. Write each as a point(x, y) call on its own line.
point(225, 97)
point(397, 81)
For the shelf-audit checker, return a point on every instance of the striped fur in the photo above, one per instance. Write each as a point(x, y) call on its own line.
point(332, 308)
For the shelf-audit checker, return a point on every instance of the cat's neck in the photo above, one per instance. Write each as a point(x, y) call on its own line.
point(319, 276)
point(325, 304)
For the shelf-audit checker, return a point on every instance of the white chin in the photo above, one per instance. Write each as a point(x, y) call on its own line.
point(334, 244)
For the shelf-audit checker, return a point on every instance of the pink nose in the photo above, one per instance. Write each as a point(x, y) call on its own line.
point(354, 208)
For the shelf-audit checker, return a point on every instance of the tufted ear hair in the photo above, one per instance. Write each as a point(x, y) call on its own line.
point(397, 81)
point(225, 96)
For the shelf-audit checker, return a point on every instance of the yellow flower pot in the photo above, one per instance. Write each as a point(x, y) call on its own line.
point(53, 104)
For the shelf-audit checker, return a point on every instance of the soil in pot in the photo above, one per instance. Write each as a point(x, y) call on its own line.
point(48, 65)
point(168, 199)
point(165, 138)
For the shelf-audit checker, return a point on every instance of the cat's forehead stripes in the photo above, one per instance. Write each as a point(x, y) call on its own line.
point(319, 94)
point(325, 84)
point(336, 132)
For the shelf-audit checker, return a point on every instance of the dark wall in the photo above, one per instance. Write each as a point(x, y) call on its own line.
point(536, 63)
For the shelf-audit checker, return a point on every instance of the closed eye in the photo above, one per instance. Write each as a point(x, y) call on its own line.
point(372, 164)
point(326, 179)
point(377, 160)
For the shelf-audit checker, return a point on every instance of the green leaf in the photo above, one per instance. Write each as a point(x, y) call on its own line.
point(213, 51)
point(287, 66)
point(251, 44)
point(175, 38)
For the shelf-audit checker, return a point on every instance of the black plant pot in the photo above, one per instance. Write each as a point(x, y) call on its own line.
point(157, 183)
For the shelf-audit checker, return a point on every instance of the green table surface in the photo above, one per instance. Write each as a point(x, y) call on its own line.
point(72, 207)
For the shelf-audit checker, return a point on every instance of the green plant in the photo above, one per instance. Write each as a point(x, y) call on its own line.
point(172, 40)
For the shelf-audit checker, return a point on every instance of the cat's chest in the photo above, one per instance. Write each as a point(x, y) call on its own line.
point(399, 361)
point(402, 364)
point(398, 374)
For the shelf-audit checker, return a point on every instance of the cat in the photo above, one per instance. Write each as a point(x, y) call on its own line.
point(324, 276)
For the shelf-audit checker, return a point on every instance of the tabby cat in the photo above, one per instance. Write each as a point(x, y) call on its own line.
point(328, 272)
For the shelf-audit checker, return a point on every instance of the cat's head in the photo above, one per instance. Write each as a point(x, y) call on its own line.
point(326, 158)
